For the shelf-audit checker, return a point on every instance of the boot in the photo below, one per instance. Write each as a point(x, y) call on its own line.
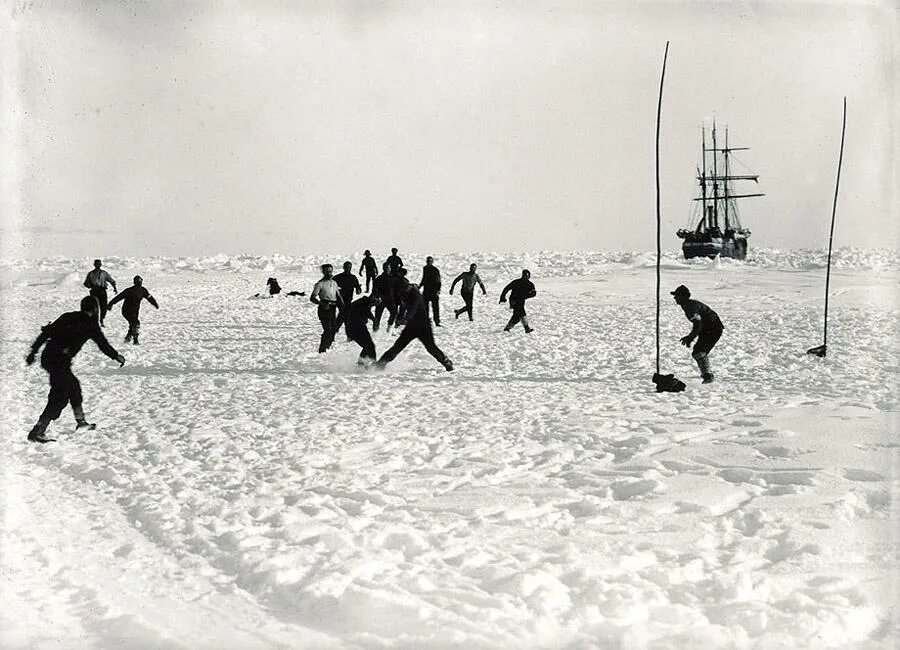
point(37, 432)
point(135, 340)
point(128, 337)
point(84, 424)
point(448, 365)
point(708, 378)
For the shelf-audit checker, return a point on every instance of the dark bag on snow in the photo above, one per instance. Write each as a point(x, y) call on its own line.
point(668, 384)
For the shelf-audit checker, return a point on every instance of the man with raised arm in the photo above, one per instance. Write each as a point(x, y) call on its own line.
point(707, 329)
point(417, 327)
point(370, 266)
point(327, 295)
point(64, 338)
point(430, 284)
point(469, 279)
point(520, 290)
point(96, 282)
point(131, 307)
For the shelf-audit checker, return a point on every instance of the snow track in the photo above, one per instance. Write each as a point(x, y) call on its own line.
point(243, 491)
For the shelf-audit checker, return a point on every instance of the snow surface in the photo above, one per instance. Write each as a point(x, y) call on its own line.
point(243, 491)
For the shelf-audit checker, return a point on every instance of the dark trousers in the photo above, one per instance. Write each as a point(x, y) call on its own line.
point(369, 279)
point(342, 312)
point(707, 341)
point(134, 328)
point(518, 313)
point(468, 297)
point(379, 310)
point(64, 388)
point(424, 334)
point(361, 336)
point(432, 303)
point(328, 317)
point(102, 300)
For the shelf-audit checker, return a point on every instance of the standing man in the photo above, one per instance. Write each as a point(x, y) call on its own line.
point(327, 295)
point(431, 289)
point(469, 279)
point(417, 327)
point(393, 261)
point(359, 313)
point(707, 329)
point(95, 282)
point(348, 285)
point(131, 306)
point(519, 291)
point(64, 338)
point(368, 265)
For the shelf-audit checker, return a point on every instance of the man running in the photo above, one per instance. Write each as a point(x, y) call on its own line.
point(393, 261)
point(348, 286)
point(131, 306)
point(64, 338)
point(358, 315)
point(370, 266)
point(417, 327)
point(382, 288)
point(520, 290)
point(327, 295)
point(430, 284)
point(707, 329)
point(95, 282)
point(469, 279)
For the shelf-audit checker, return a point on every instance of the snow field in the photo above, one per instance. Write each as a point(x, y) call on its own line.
point(243, 491)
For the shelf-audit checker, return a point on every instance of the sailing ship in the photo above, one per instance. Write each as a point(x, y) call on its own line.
point(716, 227)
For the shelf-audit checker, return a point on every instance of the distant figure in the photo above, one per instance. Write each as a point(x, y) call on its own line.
point(382, 287)
point(520, 290)
point(96, 281)
point(131, 306)
point(327, 295)
point(430, 284)
point(469, 279)
point(359, 313)
point(417, 327)
point(64, 338)
point(273, 286)
point(393, 261)
point(707, 329)
point(370, 266)
point(348, 286)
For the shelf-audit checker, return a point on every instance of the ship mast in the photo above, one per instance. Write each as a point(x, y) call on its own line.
point(725, 180)
point(715, 219)
point(703, 183)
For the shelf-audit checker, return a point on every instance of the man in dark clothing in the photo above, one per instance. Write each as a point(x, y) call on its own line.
point(393, 261)
point(358, 315)
point(95, 282)
point(368, 265)
point(64, 338)
point(519, 291)
point(327, 295)
point(399, 282)
point(431, 289)
point(469, 279)
point(348, 285)
point(131, 306)
point(707, 329)
point(382, 287)
point(417, 327)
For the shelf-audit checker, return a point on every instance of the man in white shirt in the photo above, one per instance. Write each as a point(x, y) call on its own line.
point(327, 295)
point(96, 281)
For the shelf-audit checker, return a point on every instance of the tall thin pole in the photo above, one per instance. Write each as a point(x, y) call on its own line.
point(658, 216)
point(837, 185)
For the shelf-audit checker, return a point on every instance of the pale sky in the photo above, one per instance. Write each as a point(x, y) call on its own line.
point(257, 127)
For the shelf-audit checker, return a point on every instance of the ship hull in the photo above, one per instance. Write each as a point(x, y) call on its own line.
point(735, 248)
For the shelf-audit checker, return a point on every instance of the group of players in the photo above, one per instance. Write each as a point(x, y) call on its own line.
point(408, 305)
